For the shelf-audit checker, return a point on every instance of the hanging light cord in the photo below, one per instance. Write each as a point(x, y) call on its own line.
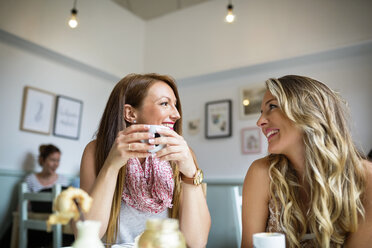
point(74, 10)
point(230, 6)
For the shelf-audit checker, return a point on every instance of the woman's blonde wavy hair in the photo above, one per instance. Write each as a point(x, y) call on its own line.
point(333, 169)
point(132, 89)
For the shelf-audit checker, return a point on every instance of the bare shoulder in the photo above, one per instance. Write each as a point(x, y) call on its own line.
point(90, 147)
point(88, 159)
point(258, 175)
point(89, 153)
point(87, 167)
point(260, 169)
point(260, 164)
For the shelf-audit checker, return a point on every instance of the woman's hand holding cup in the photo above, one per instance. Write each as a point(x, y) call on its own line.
point(175, 149)
point(128, 145)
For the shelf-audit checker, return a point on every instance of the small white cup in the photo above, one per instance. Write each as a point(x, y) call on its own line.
point(268, 240)
point(153, 129)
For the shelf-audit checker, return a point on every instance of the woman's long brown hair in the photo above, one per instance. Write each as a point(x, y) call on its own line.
point(130, 90)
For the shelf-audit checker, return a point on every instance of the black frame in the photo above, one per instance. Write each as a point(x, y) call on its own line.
point(225, 133)
point(58, 114)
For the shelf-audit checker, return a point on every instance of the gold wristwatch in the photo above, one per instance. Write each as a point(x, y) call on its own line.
point(196, 180)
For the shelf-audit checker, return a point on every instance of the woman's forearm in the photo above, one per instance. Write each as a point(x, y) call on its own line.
point(195, 220)
point(102, 194)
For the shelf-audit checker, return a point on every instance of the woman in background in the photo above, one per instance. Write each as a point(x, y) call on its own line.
point(130, 185)
point(49, 157)
point(313, 186)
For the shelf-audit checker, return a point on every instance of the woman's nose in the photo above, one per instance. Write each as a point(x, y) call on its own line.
point(175, 115)
point(261, 121)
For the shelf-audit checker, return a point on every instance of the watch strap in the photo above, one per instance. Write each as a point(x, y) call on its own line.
point(196, 180)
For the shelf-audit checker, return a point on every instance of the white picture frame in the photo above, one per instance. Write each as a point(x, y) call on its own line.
point(251, 140)
point(67, 120)
point(193, 126)
point(37, 110)
point(250, 100)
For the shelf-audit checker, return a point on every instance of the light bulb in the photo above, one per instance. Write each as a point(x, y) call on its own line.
point(230, 17)
point(73, 22)
point(245, 102)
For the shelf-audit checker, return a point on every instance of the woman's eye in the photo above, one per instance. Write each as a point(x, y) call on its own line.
point(164, 103)
point(272, 106)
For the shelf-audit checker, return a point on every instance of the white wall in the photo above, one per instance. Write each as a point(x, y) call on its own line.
point(38, 49)
point(108, 36)
point(197, 41)
point(346, 70)
point(23, 64)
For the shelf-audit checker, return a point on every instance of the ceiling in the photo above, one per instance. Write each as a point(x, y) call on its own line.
point(149, 9)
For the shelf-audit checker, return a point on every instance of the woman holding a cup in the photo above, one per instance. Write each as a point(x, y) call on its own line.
point(130, 177)
point(314, 187)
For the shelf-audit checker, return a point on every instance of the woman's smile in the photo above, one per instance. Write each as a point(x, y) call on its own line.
point(270, 133)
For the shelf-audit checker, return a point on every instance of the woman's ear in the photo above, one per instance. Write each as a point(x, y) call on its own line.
point(130, 113)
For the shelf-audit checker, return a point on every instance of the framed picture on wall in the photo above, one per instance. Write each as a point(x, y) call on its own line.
point(218, 119)
point(251, 140)
point(193, 126)
point(68, 117)
point(250, 100)
point(37, 110)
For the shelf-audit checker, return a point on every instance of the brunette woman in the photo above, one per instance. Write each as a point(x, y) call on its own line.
point(129, 184)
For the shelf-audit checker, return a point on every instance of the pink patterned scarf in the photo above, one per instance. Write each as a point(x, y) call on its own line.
point(149, 189)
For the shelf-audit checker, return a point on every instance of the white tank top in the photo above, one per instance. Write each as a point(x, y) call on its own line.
point(132, 222)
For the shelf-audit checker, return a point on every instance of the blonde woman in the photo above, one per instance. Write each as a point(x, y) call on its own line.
point(130, 185)
point(313, 186)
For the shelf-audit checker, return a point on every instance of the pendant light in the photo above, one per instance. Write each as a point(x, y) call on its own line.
point(230, 17)
point(73, 22)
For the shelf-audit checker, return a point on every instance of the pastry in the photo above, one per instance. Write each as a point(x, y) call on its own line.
point(65, 208)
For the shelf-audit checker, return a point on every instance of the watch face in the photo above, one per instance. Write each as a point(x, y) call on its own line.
point(199, 177)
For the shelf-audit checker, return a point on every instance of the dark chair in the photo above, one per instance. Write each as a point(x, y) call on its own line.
point(42, 206)
point(25, 223)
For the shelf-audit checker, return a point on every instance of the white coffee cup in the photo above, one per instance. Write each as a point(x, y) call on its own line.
point(268, 240)
point(153, 129)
